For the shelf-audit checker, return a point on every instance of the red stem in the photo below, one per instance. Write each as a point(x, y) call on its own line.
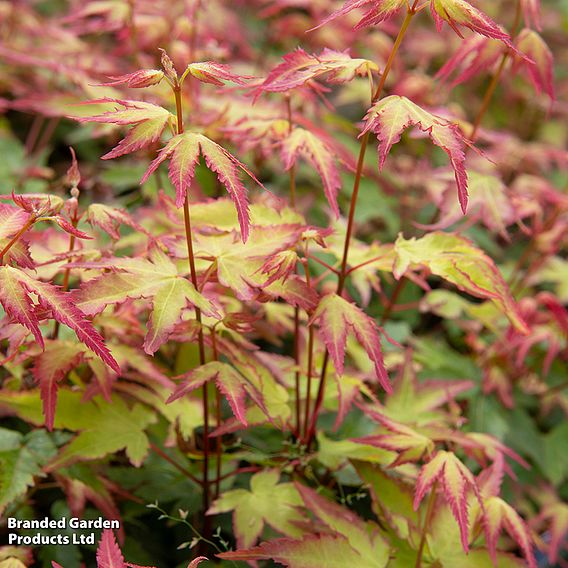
point(156, 449)
point(352, 206)
point(66, 275)
point(218, 441)
point(201, 342)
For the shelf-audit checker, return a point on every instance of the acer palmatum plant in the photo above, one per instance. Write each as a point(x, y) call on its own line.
point(353, 358)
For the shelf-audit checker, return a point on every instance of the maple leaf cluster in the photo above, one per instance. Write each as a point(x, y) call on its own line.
point(290, 274)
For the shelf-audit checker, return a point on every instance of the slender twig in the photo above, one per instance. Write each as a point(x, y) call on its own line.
point(392, 301)
point(309, 377)
point(157, 450)
point(67, 274)
point(496, 77)
point(425, 526)
point(238, 471)
point(199, 537)
point(218, 441)
point(323, 263)
point(296, 347)
point(351, 217)
point(201, 342)
point(46, 136)
point(33, 133)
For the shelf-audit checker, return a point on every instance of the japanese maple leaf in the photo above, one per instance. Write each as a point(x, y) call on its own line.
point(415, 402)
point(540, 62)
point(110, 218)
point(391, 115)
point(229, 382)
point(407, 442)
point(156, 278)
point(37, 204)
point(137, 80)
point(320, 155)
point(15, 287)
point(348, 540)
point(280, 266)
point(109, 554)
point(299, 67)
point(474, 55)
point(94, 488)
point(183, 152)
point(499, 515)
point(240, 266)
point(336, 317)
point(461, 13)
point(455, 479)
point(489, 203)
point(378, 11)
point(266, 502)
point(457, 260)
point(50, 367)
point(149, 122)
point(214, 73)
point(104, 427)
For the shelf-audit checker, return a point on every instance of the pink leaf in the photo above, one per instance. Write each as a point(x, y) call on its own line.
point(391, 115)
point(12, 219)
point(336, 317)
point(108, 552)
point(540, 64)
point(455, 479)
point(149, 122)
point(183, 151)
point(315, 150)
point(461, 13)
point(299, 67)
point(380, 10)
point(531, 11)
point(69, 228)
point(49, 368)
point(227, 379)
point(215, 73)
point(14, 285)
point(137, 80)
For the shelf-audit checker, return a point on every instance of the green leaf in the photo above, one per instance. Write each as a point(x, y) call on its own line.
point(392, 499)
point(457, 260)
point(21, 459)
point(363, 537)
point(115, 427)
point(555, 463)
point(155, 278)
point(266, 502)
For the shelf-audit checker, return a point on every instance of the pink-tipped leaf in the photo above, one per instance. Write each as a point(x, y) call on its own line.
point(455, 480)
point(183, 152)
point(392, 115)
point(337, 317)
